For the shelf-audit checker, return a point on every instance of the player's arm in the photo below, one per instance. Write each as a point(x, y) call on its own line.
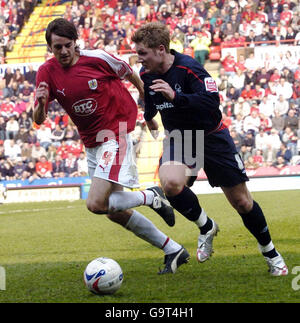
point(42, 96)
point(137, 82)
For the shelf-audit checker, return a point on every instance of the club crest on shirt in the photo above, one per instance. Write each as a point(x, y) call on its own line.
point(93, 84)
point(210, 84)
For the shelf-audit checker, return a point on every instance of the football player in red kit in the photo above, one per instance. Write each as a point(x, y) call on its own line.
point(88, 85)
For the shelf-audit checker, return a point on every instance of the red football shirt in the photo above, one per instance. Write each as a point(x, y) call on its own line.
point(92, 93)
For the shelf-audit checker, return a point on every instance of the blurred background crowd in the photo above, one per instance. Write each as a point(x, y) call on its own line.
point(259, 99)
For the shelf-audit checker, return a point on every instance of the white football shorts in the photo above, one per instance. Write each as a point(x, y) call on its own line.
point(114, 161)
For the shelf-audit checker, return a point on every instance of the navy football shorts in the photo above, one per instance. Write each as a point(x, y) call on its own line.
point(222, 164)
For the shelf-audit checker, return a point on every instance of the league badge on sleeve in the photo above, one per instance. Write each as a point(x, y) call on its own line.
point(210, 84)
point(93, 84)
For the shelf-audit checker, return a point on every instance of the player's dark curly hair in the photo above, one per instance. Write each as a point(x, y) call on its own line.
point(153, 35)
point(62, 28)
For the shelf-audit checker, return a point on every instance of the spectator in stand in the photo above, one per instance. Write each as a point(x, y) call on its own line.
point(265, 122)
point(30, 75)
point(43, 167)
point(19, 168)
point(245, 153)
point(251, 62)
point(63, 149)
point(273, 17)
point(7, 171)
point(44, 136)
point(248, 15)
point(296, 94)
point(82, 168)
point(250, 40)
point(286, 15)
point(70, 164)
point(57, 135)
point(31, 171)
point(242, 108)
point(237, 80)
point(285, 153)
point(232, 94)
point(18, 77)
point(282, 105)
point(32, 138)
point(290, 35)
point(132, 8)
point(264, 38)
point(250, 163)
point(8, 80)
point(142, 10)
point(21, 135)
point(291, 120)
point(26, 91)
point(274, 143)
point(263, 77)
point(284, 88)
point(249, 141)
point(252, 122)
point(278, 122)
point(228, 63)
point(26, 152)
point(25, 121)
point(238, 124)
point(12, 127)
point(237, 139)
point(71, 134)
point(258, 157)
point(38, 151)
point(266, 107)
point(279, 163)
point(176, 44)
point(237, 40)
point(290, 138)
point(247, 92)
point(58, 167)
point(241, 63)
point(19, 108)
point(11, 150)
point(2, 129)
point(189, 36)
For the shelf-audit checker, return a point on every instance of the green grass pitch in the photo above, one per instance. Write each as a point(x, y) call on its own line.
point(45, 247)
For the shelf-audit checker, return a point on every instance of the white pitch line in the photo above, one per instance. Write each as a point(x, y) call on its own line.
point(39, 210)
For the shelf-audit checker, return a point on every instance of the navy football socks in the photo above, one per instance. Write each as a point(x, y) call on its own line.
point(256, 223)
point(186, 202)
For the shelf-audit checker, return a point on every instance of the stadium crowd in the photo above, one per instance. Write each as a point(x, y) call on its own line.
point(259, 101)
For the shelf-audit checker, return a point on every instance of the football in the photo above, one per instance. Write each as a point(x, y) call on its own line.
point(103, 276)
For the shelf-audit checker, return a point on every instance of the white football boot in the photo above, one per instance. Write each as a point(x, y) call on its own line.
point(205, 243)
point(277, 266)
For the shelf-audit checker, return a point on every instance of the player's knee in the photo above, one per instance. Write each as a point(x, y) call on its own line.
point(172, 186)
point(243, 205)
point(96, 207)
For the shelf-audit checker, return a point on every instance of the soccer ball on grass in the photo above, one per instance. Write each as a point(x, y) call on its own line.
point(103, 276)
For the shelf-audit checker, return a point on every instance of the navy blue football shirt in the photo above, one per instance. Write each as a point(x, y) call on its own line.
point(196, 103)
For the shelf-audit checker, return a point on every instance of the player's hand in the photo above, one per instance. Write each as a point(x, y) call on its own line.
point(42, 93)
point(163, 87)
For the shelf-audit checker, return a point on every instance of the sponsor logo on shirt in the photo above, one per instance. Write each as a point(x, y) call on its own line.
point(210, 85)
point(165, 105)
point(84, 107)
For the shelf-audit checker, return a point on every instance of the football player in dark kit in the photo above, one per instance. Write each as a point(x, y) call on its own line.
point(187, 98)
